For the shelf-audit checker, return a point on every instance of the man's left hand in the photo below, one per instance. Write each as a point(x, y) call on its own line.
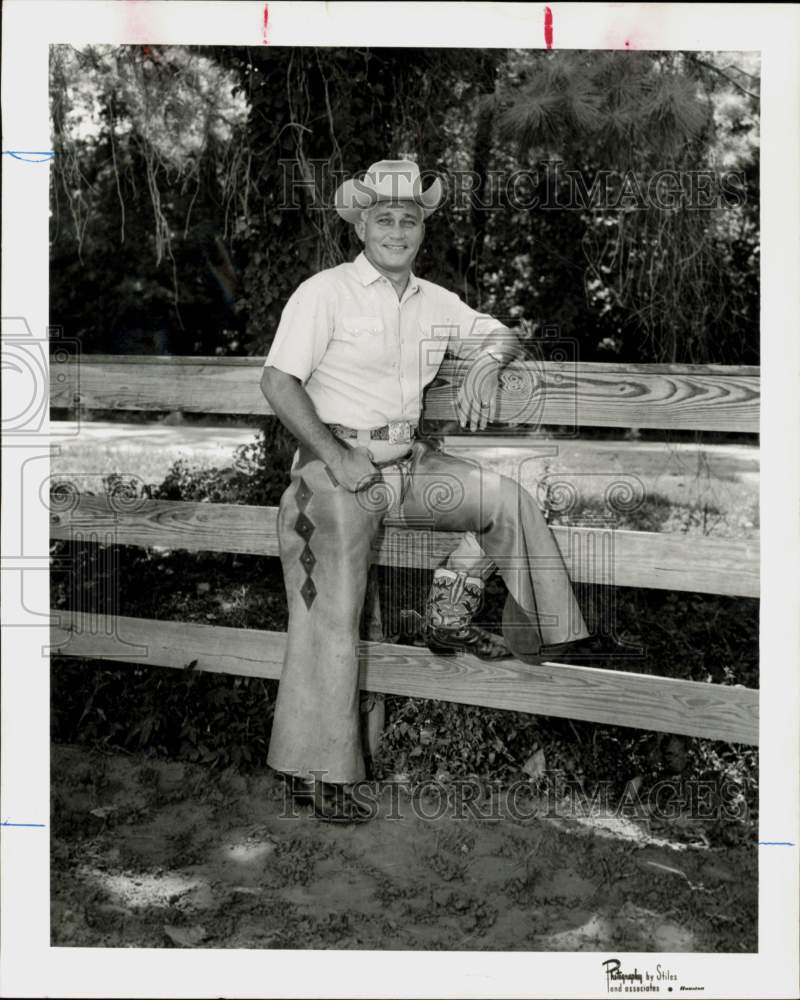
point(477, 399)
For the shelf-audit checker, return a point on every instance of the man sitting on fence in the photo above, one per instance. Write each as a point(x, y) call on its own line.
point(355, 348)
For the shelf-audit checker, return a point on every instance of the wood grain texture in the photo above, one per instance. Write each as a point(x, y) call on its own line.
point(713, 711)
point(701, 397)
point(579, 394)
point(592, 555)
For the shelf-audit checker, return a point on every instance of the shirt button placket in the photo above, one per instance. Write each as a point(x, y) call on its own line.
point(399, 361)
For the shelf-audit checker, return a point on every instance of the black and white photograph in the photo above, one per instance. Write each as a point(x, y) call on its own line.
point(405, 515)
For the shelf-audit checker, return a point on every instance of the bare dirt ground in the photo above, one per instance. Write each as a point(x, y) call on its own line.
point(147, 853)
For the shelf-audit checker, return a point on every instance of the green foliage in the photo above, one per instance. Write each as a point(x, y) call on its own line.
point(662, 282)
point(258, 476)
point(192, 190)
point(622, 105)
point(207, 718)
point(142, 136)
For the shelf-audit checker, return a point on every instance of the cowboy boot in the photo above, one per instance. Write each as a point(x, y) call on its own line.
point(453, 599)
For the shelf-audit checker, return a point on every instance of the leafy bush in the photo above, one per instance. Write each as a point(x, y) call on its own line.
point(258, 476)
point(203, 717)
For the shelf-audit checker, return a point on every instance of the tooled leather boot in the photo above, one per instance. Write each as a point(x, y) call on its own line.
point(453, 599)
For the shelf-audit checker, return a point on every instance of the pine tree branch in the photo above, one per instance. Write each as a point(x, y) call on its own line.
point(738, 69)
point(734, 83)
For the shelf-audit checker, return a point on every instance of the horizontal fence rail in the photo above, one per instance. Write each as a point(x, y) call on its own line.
point(641, 701)
point(592, 554)
point(669, 397)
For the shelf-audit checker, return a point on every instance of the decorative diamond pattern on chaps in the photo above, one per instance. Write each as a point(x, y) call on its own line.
point(303, 494)
point(308, 592)
point(308, 559)
point(305, 527)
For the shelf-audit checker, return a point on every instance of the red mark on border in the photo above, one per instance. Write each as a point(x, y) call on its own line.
point(548, 27)
point(264, 27)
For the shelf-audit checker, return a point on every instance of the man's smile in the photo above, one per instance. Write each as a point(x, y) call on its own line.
point(392, 235)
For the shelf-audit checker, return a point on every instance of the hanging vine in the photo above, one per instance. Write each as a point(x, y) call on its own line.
point(182, 173)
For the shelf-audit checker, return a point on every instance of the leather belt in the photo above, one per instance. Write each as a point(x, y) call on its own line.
point(396, 432)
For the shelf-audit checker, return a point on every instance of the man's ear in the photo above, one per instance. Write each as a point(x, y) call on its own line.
point(360, 229)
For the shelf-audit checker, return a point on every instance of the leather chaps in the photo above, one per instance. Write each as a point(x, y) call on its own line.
point(326, 537)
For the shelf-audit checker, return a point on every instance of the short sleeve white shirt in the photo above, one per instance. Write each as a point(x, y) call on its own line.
point(363, 355)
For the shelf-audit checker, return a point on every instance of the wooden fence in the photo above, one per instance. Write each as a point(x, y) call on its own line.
point(709, 397)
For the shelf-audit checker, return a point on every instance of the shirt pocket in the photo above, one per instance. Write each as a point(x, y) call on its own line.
point(362, 331)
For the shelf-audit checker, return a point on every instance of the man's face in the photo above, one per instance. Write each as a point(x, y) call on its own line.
point(392, 233)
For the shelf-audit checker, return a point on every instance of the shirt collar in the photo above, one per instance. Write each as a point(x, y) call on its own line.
point(367, 273)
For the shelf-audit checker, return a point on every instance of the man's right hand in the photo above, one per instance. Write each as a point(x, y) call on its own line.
point(355, 470)
point(351, 468)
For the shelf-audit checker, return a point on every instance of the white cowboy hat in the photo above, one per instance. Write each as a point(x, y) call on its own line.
point(386, 180)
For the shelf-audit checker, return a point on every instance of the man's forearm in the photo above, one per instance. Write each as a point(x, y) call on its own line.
point(293, 407)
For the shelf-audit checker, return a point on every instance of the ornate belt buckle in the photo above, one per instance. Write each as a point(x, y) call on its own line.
point(399, 431)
